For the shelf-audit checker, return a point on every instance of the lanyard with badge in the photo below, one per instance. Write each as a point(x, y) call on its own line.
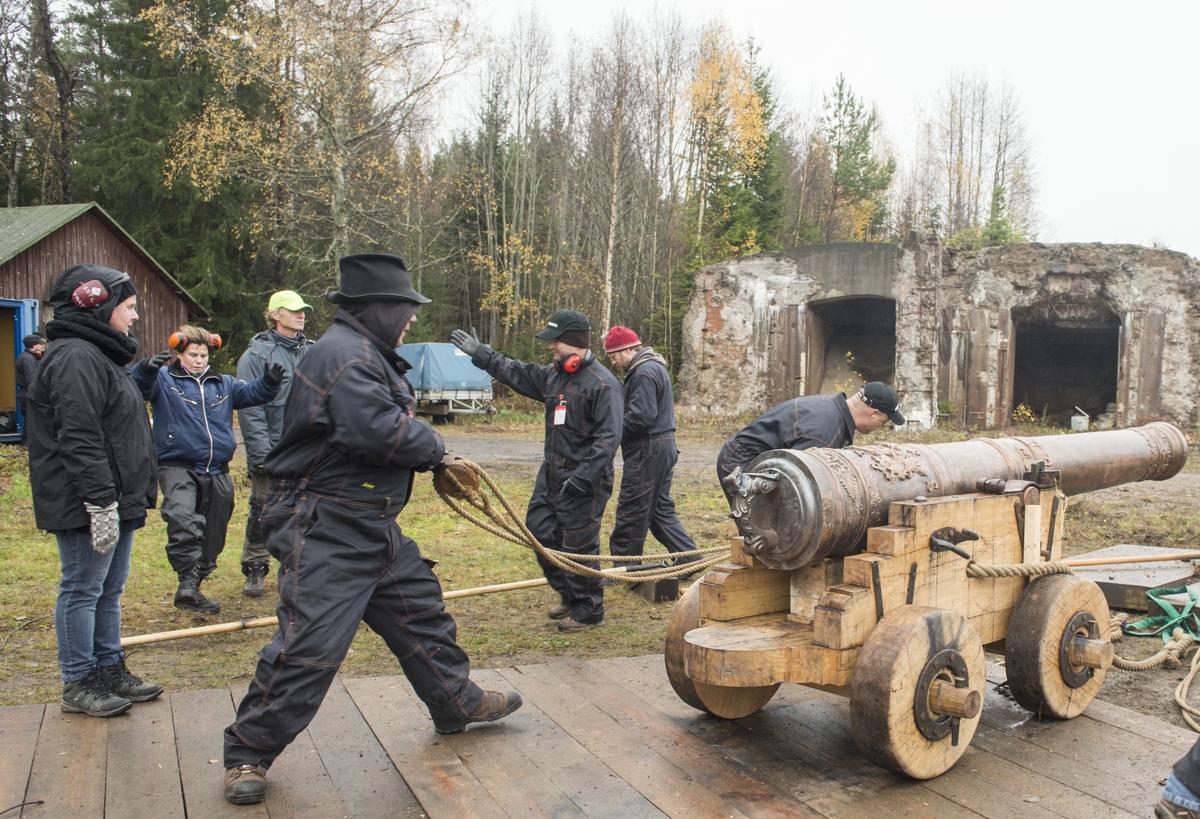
point(560, 412)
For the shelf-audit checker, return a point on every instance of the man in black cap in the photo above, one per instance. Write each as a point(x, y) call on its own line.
point(27, 364)
point(584, 406)
point(810, 421)
point(341, 472)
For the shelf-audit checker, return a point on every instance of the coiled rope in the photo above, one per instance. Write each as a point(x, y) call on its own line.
point(460, 484)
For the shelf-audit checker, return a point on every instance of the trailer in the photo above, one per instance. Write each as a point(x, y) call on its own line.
point(445, 381)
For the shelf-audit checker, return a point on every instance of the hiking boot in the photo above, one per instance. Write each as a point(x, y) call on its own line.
point(118, 680)
point(492, 707)
point(559, 612)
point(90, 696)
point(573, 626)
point(188, 596)
point(1166, 809)
point(255, 578)
point(245, 784)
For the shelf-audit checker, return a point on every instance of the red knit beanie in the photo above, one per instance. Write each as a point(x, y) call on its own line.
point(620, 338)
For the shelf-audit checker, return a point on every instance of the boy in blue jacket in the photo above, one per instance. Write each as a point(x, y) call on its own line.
point(193, 438)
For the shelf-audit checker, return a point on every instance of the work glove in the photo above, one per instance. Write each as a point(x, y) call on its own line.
point(467, 343)
point(574, 488)
point(274, 374)
point(106, 526)
point(153, 365)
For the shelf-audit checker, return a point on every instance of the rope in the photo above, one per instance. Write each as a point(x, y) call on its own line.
point(979, 570)
point(509, 526)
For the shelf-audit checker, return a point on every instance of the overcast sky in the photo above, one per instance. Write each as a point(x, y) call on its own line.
point(1110, 91)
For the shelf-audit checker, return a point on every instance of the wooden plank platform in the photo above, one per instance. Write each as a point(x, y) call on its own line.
point(601, 739)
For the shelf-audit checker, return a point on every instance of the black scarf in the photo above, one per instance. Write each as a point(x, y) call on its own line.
point(119, 347)
point(389, 352)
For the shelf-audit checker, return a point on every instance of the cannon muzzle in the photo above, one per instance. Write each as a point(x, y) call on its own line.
point(793, 507)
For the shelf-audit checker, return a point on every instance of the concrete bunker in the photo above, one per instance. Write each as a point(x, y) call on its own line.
point(851, 340)
point(1060, 364)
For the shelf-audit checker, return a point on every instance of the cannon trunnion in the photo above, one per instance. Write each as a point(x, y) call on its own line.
point(850, 575)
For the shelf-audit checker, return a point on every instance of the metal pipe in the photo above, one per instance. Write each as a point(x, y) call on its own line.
point(793, 507)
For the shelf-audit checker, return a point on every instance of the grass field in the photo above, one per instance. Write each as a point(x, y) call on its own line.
point(496, 630)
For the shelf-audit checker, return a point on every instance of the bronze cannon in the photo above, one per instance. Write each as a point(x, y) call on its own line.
point(881, 572)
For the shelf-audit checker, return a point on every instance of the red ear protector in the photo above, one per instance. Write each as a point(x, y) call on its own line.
point(93, 292)
point(573, 363)
point(179, 341)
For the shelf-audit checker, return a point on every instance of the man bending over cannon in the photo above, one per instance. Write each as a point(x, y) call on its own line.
point(810, 421)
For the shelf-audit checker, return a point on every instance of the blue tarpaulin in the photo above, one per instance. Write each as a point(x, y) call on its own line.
point(443, 367)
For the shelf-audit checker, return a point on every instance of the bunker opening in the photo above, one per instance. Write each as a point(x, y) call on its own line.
point(1061, 364)
point(851, 340)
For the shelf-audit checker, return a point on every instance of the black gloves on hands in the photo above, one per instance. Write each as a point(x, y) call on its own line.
point(467, 343)
point(153, 365)
point(273, 376)
point(574, 488)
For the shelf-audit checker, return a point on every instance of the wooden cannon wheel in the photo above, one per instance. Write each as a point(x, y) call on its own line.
point(1050, 612)
point(918, 690)
point(729, 702)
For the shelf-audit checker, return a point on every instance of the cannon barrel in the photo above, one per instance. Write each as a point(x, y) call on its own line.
point(793, 507)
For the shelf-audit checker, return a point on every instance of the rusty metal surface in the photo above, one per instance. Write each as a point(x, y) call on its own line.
point(794, 507)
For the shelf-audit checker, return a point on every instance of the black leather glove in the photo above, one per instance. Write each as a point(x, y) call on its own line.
point(467, 343)
point(574, 488)
point(153, 365)
point(274, 374)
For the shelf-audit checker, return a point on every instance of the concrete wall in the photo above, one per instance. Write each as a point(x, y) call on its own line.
point(754, 336)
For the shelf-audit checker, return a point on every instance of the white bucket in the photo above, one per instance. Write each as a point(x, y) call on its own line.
point(1079, 421)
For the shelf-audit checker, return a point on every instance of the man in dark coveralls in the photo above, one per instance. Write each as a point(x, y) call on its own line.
point(810, 421)
point(648, 447)
point(340, 474)
point(584, 405)
point(27, 364)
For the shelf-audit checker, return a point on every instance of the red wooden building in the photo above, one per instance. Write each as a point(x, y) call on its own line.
point(38, 243)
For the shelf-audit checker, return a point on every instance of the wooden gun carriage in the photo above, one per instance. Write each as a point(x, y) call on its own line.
point(851, 575)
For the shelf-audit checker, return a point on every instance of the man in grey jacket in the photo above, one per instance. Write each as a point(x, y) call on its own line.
point(262, 426)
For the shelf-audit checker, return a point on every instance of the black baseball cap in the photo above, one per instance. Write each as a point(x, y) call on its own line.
point(565, 321)
point(880, 396)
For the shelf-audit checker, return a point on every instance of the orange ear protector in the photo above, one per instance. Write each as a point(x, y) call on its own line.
point(179, 341)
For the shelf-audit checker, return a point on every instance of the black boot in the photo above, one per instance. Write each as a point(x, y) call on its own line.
point(91, 696)
point(188, 595)
point(255, 577)
point(119, 681)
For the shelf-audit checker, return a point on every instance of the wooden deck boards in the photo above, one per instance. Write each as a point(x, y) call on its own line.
point(596, 740)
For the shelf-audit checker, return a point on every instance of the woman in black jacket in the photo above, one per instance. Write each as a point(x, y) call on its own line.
point(92, 471)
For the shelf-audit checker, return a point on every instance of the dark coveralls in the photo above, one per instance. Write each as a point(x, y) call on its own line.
point(648, 446)
point(340, 474)
point(27, 366)
point(582, 447)
point(802, 423)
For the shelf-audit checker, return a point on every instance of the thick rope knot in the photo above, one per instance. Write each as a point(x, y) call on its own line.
point(460, 485)
point(982, 570)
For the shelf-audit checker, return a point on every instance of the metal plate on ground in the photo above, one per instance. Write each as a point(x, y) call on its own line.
point(1125, 585)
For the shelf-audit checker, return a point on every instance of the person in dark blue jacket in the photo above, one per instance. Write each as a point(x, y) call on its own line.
point(193, 438)
point(648, 446)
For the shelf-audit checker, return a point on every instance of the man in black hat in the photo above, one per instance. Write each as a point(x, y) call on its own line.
point(810, 421)
point(341, 472)
point(584, 407)
point(27, 364)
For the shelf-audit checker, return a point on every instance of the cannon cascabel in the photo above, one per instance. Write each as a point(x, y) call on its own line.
point(793, 507)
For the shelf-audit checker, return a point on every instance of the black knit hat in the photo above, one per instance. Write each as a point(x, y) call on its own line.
point(106, 289)
point(32, 340)
point(373, 277)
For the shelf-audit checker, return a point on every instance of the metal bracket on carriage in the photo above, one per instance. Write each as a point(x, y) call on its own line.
point(947, 539)
point(744, 487)
point(1042, 477)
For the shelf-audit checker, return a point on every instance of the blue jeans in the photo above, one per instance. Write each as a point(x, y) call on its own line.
point(1177, 794)
point(87, 616)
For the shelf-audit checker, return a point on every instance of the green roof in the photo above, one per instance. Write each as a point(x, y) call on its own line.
point(21, 228)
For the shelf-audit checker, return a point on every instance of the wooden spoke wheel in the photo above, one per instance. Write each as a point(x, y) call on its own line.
point(729, 702)
point(1056, 651)
point(918, 690)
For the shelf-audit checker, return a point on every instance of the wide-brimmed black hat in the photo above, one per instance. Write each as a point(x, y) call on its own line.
point(564, 321)
point(374, 277)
